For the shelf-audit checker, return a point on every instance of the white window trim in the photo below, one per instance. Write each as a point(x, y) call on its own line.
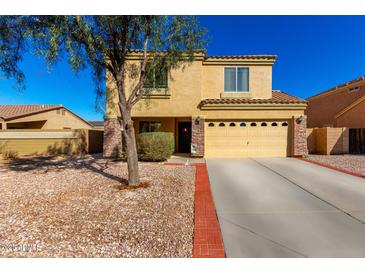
point(236, 91)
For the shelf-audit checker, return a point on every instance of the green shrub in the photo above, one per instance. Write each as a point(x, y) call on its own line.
point(155, 146)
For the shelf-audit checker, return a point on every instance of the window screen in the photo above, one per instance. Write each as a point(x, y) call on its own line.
point(236, 79)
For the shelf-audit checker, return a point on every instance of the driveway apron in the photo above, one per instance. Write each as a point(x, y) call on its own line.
point(284, 207)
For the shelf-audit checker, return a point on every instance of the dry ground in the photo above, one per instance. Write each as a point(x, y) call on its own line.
point(353, 163)
point(77, 208)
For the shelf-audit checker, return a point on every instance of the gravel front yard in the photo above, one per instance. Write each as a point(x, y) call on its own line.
point(80, 208)
point(353, 163)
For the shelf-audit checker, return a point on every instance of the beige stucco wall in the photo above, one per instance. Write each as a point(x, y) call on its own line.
point(54, 120)
point(260, 81)
point(322, 109)
point(184, 85)
point(43, 142)
point(327, 140)
point(353, 118)
point(190, 84)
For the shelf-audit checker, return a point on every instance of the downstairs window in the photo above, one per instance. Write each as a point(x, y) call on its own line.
point(148, 126)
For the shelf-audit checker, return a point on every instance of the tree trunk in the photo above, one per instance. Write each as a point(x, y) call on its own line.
point(129, 136)
point(131, 152)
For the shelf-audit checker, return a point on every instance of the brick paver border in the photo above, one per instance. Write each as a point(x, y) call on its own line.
point(334, 168)
point(208, 241)
point(207, 235)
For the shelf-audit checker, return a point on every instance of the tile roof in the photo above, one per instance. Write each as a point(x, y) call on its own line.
point(278, 97)
point(96, 123)
point(260, 57)
point(13, 111)
point(237, 57)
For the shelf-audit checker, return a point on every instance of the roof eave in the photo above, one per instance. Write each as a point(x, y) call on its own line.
point(30, 113)
point(212, 106)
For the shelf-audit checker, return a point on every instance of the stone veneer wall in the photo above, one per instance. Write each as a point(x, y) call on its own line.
point(197, 137)
point(300, 137)
point(112, 146)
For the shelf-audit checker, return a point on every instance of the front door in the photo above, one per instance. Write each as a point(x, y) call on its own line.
point(184, 137)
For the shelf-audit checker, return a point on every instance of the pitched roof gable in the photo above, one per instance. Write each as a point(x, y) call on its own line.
point(338, 87)
point(10, 112)
point(13, 111)
point(349, 107)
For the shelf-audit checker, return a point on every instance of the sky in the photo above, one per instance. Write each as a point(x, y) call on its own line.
point(315, 53)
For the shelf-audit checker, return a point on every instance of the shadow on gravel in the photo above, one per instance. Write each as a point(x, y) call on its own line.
point(94, 163)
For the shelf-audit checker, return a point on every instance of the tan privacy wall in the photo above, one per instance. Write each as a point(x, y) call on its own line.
point(327, 140)
point(50, 142)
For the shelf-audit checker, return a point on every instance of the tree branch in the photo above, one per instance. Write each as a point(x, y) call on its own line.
point(137, 90)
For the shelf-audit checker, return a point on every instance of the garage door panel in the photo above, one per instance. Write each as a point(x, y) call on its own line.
point(246, 141)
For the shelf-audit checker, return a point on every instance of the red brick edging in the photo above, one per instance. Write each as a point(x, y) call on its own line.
point(334, 168)
point(207, 235)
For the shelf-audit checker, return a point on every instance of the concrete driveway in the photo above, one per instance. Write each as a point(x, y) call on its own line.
point(285, 207)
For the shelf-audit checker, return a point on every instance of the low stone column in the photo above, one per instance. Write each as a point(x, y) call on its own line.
point(197, 136)
point(300, 148)
point(112, 146)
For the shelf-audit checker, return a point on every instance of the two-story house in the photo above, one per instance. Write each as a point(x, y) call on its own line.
point(218, 106)
point(340, 106)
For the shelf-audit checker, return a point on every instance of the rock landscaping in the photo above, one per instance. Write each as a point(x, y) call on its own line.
point(81, 207)
point(352, 163)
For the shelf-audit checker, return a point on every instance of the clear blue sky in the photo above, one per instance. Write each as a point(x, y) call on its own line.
point(315, 53)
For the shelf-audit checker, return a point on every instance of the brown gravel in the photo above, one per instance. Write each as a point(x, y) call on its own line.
point(353, 163)
point(80, 208)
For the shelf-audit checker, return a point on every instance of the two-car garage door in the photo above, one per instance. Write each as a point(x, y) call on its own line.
point(246, 138)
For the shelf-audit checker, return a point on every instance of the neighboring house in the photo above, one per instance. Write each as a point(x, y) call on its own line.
point(341, 106)
point(217, 106)
point(40, 117)
point(97, 124)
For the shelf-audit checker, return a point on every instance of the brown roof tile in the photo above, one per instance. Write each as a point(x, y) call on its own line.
point(235, 57)
point(278, 97)
point(13, 111)
point(262, 57)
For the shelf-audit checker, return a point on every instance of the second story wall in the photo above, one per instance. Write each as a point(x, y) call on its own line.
point(183, 94)
point(201, 79)
point(323, 107)
point(260, 81)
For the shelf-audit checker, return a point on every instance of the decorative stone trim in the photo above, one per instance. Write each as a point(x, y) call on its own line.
point(197, 136)
point(112, 146)
point(300, 136)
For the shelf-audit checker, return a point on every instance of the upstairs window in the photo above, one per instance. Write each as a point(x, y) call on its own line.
point(156, 78)
point(236, 79)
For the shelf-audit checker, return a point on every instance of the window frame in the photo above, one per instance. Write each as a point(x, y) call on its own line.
point(149, 126)
point(236, 69)
point(154, 81)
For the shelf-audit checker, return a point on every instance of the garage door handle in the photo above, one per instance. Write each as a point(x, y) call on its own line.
point(248, 142)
